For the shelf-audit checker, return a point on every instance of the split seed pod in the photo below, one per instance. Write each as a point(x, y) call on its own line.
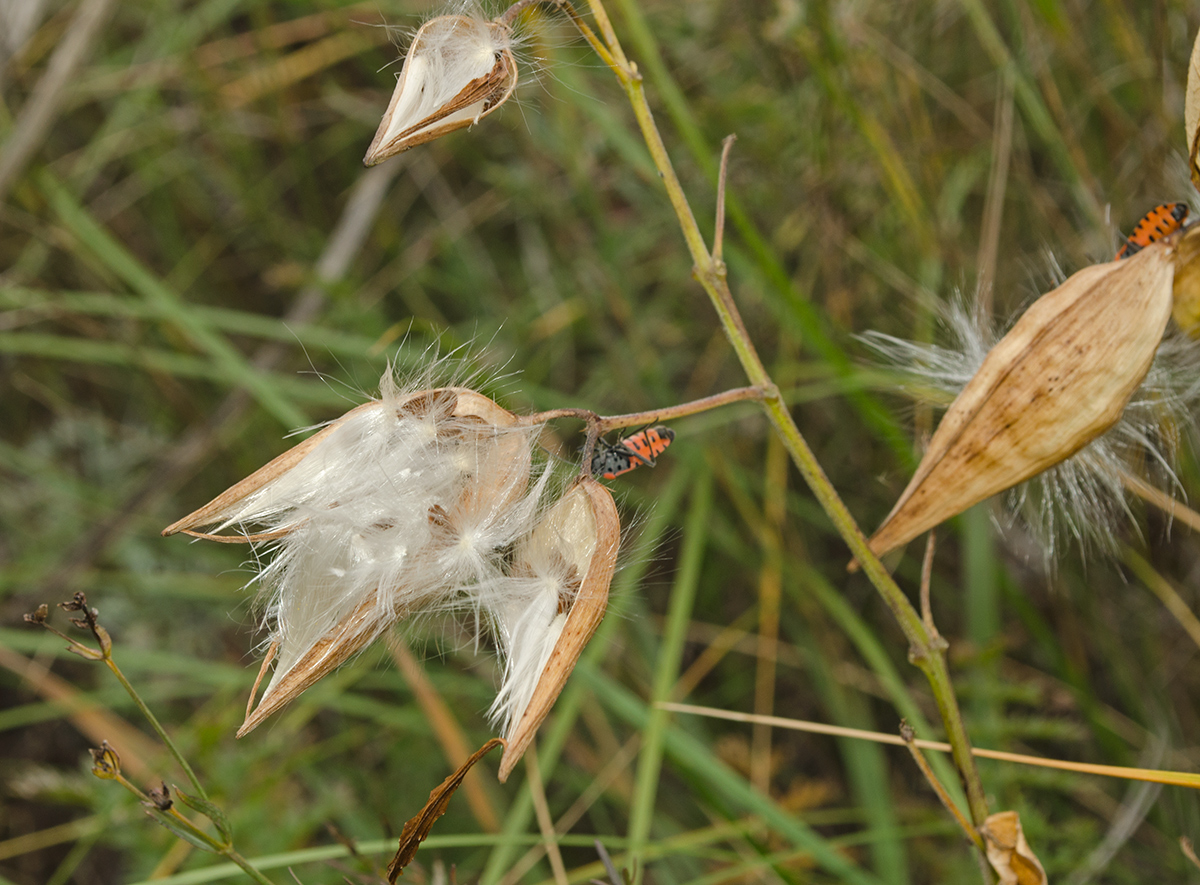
point(401, 505)
point(1009, 853)
point(564, 566)
point(458, 70)
point(1191, 113)
point(1056, 381)
point(1187, 282)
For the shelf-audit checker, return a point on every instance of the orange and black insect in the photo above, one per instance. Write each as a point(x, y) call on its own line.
point(1160, 221)
point(613, 459)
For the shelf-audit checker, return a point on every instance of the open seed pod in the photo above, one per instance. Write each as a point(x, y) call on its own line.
point(1060, 377)
point(391, 509)
point(1191, 113)
point(1009, 853)
point(567, 562)
point(1187, 282)
point(458, 70)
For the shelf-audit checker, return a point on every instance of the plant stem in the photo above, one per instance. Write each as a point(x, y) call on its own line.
point(153, 720)
point(971, 832)
point(924, 650)
point(248, 868)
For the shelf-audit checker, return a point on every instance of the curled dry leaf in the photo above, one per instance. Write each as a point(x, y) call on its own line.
point(1060, 377)
point(416, 829)
point(1191, 113)
point(576, 541)
point(1009, 853)
point(458, 70)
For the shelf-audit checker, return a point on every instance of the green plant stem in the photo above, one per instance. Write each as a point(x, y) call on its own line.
point(925, 651)
point(248, 868)
point(157, 726)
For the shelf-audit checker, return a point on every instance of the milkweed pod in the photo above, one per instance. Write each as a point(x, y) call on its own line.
point(1187, 282)
point(1056, 381)
point(391, 509)
point(1009, 853)
point(458, 70)
point(1191, 113)
point(574, 546)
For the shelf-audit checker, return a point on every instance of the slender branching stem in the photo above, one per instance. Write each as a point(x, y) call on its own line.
point(926, 580)
point(247, 867)
point(924, 651)
point(906, 732)
point(670, 413)
point(157, 726)
point(607, 423)
point(718, 248)
point(585, 415)
point(598, 425)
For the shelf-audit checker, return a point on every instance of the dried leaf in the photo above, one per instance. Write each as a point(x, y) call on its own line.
point(1191, 112)
point(1009, 853)
point(416, 830)
point(584, 529)
point(1056, 381)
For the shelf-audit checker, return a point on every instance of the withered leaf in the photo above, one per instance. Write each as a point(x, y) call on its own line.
point(416, 830)
point(1009, 853)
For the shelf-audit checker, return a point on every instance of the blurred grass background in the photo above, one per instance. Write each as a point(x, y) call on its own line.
point(193, 263)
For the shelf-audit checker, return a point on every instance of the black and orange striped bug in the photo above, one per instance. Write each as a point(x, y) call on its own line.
point(1161, 221)
point(612, 459)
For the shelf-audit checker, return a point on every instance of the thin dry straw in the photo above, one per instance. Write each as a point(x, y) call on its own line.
point(1173, 778)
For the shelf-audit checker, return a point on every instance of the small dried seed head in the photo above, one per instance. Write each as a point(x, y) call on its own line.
point(458, 70)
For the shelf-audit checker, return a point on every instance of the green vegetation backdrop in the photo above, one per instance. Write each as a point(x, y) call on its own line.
point(194, 263)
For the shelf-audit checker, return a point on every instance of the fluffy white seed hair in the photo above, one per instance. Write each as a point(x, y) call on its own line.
point(402, 508)
point(1082, 500)
point(450, 52)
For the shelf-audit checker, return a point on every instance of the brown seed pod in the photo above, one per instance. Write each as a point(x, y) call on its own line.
point(458, 70)
point(1056, 381)
point(578, 537)
point(1187, 282)
point(1009, 853)
point(392, 508)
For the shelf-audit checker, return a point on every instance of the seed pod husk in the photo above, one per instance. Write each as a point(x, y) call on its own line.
point(387, 510)
point(581, 531)
point(1009, 853)
point(1187, 282)
point(458, 70)
point(1056, 381)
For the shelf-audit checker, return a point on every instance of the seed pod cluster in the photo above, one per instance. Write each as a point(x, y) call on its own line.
point(421, 501)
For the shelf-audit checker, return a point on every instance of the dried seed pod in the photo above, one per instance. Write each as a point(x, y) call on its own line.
point(565, 565)
point(458, 70)
point(1057, 380)
point(395, 507)
point(1187, 282)
point(1009, 853)
point(1191, 113)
